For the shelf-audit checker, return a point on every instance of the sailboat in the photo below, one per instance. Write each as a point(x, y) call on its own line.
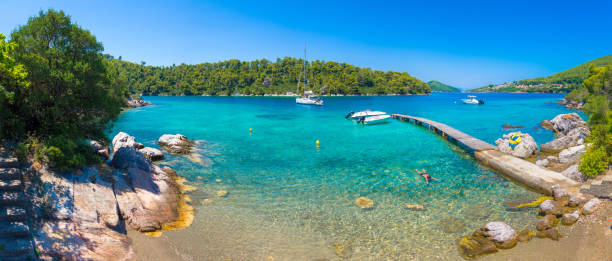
point(308, 97)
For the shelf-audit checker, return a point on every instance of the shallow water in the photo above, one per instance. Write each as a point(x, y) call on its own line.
point(291, 200)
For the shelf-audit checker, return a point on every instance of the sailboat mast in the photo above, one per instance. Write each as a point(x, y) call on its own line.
point(304, 67)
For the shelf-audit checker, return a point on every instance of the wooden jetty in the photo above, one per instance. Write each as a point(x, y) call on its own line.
point(519, 170)
point(447, 132)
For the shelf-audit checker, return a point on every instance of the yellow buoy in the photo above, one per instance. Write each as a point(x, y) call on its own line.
point(251, 130)
point(318, 142)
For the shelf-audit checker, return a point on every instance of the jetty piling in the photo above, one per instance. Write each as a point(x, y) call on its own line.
point(519, 170)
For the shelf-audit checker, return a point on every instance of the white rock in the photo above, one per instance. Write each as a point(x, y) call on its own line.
point(524, 149)
point(576, 199)
point(571, 154)
point(591, 206)
point(500, 232)
point(542, 163)
point(123, 139)
point(152, 153)
point(547, 206)
point(563, 123)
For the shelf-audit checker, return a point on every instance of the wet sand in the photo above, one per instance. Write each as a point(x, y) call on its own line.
point(589, 239)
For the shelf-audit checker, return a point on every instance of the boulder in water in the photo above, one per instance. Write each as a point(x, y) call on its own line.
point(546, 124)
point(364, 203)
point(563, 123)
point(176, 144)
point(525, 148)
point(525, 235)
point(123, 140)
point(152, 153)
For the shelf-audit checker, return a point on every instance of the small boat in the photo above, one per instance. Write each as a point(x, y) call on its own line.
point(371, 120)
point(471, 99)
point(309, 99)
point(366, 113)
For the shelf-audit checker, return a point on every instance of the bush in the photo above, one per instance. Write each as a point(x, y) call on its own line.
point(593, 162)
point(60, 152)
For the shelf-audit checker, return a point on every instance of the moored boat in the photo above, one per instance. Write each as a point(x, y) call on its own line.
point(471, 99)
point(371, 120)
point(366, 113)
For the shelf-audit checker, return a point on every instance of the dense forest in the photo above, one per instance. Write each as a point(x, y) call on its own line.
point(261, 77)
point(563, 82)
point(437, 86)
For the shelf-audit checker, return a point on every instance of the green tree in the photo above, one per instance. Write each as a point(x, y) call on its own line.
point(72, 94)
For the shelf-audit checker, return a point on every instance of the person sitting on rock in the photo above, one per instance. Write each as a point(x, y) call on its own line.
point(425, 175)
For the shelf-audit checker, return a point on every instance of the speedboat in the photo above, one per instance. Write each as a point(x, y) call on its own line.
point(370, 120)
point(366, 113)
point(471, 99)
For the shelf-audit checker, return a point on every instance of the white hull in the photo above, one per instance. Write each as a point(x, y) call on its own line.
point(368, 113)
point(308, 101)
point(470, 101)
point(376, 119)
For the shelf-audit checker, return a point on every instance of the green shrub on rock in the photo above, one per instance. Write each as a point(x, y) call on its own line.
point(593, 162)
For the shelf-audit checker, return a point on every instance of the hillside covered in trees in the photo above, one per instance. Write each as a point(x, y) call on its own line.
point(261, 77)
point(564, 81)
point(437, 86)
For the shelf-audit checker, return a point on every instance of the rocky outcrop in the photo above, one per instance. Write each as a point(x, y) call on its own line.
point(135, 103)
point(563, 123)
point(122, 140)
point(570, 130)
point(100, 149)
point(571, 154)
point(83, 215)
point(152, 153)
point(524, 149)
point(176, 144)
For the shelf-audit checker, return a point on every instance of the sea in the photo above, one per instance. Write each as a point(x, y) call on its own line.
point(291, 199)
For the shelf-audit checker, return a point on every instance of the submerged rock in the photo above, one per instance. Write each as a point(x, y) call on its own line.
point(525, 235)
point(364, 203)
point(152, 153)
point(591, 206)
point(176, 144)
point(552, 233)
point(524, 149)
point(510, 127)
point(472, 246)
point(503, 235)
point(418, 207)
point(222, 193)
point(342, 250)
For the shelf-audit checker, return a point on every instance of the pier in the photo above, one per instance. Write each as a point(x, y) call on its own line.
point(519, 170)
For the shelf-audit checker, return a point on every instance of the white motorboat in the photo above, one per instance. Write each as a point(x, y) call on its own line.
point(308, 97)
point(370, 120)
point(366, 113)
point(471, 99)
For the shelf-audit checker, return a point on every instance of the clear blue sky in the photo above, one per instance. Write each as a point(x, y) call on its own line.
point(462, 43)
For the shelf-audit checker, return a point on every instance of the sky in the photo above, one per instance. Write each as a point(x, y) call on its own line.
point(465, 43)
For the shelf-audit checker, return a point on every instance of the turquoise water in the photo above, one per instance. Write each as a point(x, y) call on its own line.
point(291, 200)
